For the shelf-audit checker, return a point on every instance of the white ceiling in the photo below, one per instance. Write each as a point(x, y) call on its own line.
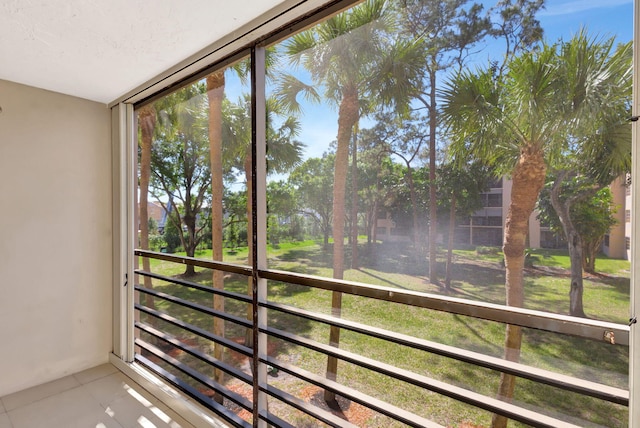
point(101, 49)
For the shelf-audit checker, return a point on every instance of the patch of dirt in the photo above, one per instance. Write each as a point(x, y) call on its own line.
point(245, 391)
point(347, 410)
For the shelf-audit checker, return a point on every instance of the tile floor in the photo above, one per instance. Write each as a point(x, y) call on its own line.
point(101, 397)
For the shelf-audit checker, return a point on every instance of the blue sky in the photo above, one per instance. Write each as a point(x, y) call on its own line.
point(604, 17)
point(560, 19)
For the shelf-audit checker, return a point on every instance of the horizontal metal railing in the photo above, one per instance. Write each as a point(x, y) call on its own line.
point(568, 383)
point(577, 327)
point(562, 324)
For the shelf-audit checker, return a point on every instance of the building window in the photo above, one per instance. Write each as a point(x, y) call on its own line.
point(495, 220)
point(627, 216)
point(494, 200)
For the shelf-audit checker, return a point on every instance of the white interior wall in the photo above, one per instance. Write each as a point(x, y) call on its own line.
point(55, 235)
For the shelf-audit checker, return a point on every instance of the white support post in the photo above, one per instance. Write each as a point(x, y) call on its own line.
point(123, 173)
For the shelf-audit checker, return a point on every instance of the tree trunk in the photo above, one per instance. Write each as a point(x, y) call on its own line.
point(590, 254)
point(576, 308)
point(215, 94)
point(354, 204)
point(190, 243)
point(248, 338)
point(528, 179)
point(374, 221)
point(347, 118)
point(147, 121)
point(574, 244)
point(414, 210)
point(452, 227)
point(433, 204)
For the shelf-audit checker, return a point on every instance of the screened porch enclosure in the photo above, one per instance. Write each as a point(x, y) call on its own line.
point(346, 222)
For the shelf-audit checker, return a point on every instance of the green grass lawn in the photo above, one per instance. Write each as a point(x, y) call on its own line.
point(477, 277)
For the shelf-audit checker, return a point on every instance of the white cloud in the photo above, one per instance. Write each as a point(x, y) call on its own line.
point(574, 6)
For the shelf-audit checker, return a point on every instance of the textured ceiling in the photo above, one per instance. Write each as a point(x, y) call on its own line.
point(101, 49)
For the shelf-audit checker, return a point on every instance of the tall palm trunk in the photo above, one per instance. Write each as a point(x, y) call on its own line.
point(414, 210)
point(248, 339)
point(215, 94)
point(347, 119)
point(433, 202)
point(354, 204)
point(147, 120)
point(528, 179)
point(452, 228)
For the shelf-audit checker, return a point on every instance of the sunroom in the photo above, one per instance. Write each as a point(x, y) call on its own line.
point(263, 214)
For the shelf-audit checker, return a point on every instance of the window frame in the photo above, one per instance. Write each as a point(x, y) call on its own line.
point(283, 19)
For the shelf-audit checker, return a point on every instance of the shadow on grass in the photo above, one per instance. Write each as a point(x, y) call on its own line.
point(394, 257)
point(381, 279)
point(479, 281)
point(314, 256)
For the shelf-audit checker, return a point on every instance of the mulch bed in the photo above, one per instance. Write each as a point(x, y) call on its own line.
point(347, 410)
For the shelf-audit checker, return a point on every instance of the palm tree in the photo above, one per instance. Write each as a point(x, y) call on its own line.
point(215, 94)
point(215, 86)
point(147, 123)
point(357, 68)
point(284, 152)
point(520, 125)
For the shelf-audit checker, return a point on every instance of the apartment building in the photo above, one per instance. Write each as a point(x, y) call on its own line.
point(486, 226)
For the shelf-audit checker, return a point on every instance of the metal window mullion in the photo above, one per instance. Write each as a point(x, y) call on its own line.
point(259, 221)
point(634, 334)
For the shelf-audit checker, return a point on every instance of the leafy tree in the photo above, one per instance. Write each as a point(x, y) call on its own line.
point(592, 214)
point(235, 212)
point(595, 219)
point(282, 207)
point(156, 242)
point(453, 27)
point(171, 236)
point(404, 137)
point(180, 164)
point(311, 179)
point(460, 188)
point(514, 23)
point(521, 123)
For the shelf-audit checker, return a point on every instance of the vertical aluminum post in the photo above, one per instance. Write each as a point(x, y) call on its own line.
point(124, 160)
point(634, 334)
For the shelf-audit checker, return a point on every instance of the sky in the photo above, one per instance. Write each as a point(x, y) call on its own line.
point(560, 19)
point(606, 17)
